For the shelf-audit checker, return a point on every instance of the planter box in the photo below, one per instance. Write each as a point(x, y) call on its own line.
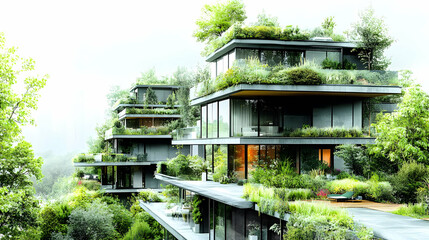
point(196, 228)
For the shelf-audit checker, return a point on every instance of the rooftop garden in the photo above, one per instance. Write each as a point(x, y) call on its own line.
point(109, 157)
point(251, 71)
point(157, 111)
point(161, 130)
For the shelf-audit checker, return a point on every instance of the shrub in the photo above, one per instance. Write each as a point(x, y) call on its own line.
point(139, 230)
point(409, 178)
point(303, 76)
point(84, 158)
point(418, 210)
point(95, 222)
point(196, 211)
point(54, 218)
point(355, 157)
point(157, 232)
point(148, 196)
point(122, 218)
point(179, 166)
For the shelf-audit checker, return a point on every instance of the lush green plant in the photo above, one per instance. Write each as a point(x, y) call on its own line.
point(356, 158)
point(171, 193)
point(196, 209)
point(150, 97)
point(266, 20)
point(303, 76)
point(122, 218)
point(148, 196)
point(418, 210)
point(402, 135)
point(221, 167)
point(85, 158)
point(94, 222)
point(161, 111)
point(372, 39)
point(139, 230)
point(408, 180)
point(53, 218)
point(324, 132)
point(179, 166)
point(318, 221)
point(371, 189)
point(162, 130)
point(217, 18)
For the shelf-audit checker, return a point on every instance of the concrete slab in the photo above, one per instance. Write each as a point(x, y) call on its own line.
point(391, 226)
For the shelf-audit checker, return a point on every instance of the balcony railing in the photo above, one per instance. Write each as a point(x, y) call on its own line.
point(112, 157)
point(186, 133)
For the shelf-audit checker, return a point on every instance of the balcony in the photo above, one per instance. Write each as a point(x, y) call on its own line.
point(143, 132)
point(112, 159)
point(186, 133)
point(149, 113)
point(264, 75)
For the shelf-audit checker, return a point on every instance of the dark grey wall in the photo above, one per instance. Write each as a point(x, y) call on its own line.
point(161, 94)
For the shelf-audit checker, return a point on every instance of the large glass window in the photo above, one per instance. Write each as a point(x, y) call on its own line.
point(334, 56)
point(204, 122)
point(231, 58)
point(244, 53)
point(270, 118)
point(245, 118)
point(252, 157)
point(224, 118)
point(293, 58)
point(272, 57)
point(220, 161)
point(212, 120)
point(316, 56)
point(309, 159)
point(325, 156)
point(236, 160)
point(209, 156)
point(219, 221)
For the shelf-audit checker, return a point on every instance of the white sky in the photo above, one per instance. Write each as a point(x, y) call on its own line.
point(88, 46)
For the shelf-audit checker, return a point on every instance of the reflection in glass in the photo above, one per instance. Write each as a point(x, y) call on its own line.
point(237, 160)
point(204, 122)
point(309, 159)
point(252, 157)
point(272, 57)
point(219, 221)
point(212, 120)
point(245, 118)
point(224, 118)
point(293, 58)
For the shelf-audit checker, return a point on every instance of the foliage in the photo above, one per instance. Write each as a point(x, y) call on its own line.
point(84, 158)
point(327, 30)
point(196, 209)
point(115, 94)
point(318, 221)
point(251, 71)
point(217, 18)
point(303, 76)
point(324, 132)
point(19, 87)
point(221, 167)
point(171, 100)
point(331, 64)
point(355, 157)
point(122, 218)
point(160, 111)
point(54, 218)
point(372, 39)
point(149, 78)
point(418, 210)
point(139, 230)
point(162, 130)
point(148, 196)
point(156, 229)
point(171, 193)
point(403, 135)
point(266, 20)
point(371, 189)
point(94, 222)
point(410, 177)
point(150, 97)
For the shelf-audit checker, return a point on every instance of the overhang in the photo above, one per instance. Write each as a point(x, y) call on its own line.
point(155, 87)
point(275, 141)
point(133, 116)
point(137, 137)
point(229, 194)
point(104, 164)
point(259, 90)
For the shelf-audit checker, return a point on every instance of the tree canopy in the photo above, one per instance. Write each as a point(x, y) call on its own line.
point(217, 18)
point(372, 39)
point(404, 134)
point(19, 87)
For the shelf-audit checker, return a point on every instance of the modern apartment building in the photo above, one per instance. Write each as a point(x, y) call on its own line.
point(138, 140)
point(243, 124)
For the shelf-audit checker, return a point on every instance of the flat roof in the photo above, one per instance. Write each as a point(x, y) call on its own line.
point(229, 194)
point(103, 164)
point(277, 44)
point(137, 137)
point(259, 90)
point(139, 105)
point(160, 86)
point(180, 229)
point(275, 141)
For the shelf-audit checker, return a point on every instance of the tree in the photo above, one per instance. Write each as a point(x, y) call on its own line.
point(18, 207)
point(355, 158)
point(217, 18)
point(266, 20)
point(115, 94)
point(372, 39)
point(403, 135)
point(150, 97)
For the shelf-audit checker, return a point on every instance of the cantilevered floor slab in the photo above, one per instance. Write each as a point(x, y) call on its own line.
point(108, 137)
point(176, 226)
point(259, 90)
point(276, 141)
point(103, 164)
point(229, 194)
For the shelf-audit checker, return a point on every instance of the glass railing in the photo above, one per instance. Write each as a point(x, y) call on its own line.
point(186, 133)
point(161, 130)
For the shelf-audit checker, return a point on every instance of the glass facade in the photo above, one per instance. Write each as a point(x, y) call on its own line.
point(237, 160)
point(244, 118)
point(204, 122)
point(212, 121)
point(288, 58)
point(224, 118)
point(319, 56)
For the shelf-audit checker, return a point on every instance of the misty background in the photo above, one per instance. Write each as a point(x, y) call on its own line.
point(88, 46)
